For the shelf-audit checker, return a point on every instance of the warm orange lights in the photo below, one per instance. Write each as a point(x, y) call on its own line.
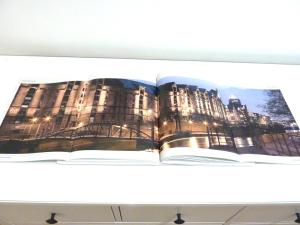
point(47, 119)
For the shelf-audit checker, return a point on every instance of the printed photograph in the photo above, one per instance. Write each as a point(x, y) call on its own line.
point(200, 114)
point(101, 114)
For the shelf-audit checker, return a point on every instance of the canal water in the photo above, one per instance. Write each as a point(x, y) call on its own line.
point(204, 142)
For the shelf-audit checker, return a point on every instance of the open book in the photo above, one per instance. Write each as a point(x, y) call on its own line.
point(178, 120)
point(165, 119)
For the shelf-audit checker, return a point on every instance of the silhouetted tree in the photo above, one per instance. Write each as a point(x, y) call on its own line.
point(276, 105)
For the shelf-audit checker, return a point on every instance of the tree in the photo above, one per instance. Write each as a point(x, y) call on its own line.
point(276, 105)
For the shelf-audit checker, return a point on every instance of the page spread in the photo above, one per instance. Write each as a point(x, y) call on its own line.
point(201, 119)
point(177, 120)
point(110, 115)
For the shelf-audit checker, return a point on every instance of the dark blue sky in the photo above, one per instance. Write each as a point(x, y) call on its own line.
point(150, 87)
point(253, 98)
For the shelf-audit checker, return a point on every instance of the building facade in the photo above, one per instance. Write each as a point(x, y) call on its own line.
point(191, 102)
point(193, 109)
point(46, 108)
point(237, 113)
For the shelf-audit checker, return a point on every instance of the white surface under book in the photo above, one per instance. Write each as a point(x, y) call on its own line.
point(137, 112)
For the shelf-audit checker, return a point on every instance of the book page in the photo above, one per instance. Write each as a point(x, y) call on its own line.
point(105, 114)
point(209, 120)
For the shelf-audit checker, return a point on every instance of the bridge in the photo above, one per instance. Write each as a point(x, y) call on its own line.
point(108, 130)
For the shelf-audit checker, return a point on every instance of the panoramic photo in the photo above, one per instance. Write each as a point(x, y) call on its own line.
point(200, 114)
point(101, 114)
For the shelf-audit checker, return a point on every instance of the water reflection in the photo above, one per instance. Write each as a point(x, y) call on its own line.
point(243, 142)
point(193, 142)
point(219, 140)
point(204, 142)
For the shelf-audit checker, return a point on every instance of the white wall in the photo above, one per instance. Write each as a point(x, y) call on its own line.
point(231, 30)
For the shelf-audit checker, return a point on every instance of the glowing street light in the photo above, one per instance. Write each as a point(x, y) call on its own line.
point(125, 125)
point(208, 133)
point(165, 123)
point(156, 129)
point(217, 132)
point(150, 111)
point(33, 120)
point(190, 121)
point(48, 118)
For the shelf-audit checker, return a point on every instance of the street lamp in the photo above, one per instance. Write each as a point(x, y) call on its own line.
point(231, 135)
point(38, 128)
point(156, 130)
point(33, 121)
point(217, 132)
point(47, 118)
point(190, 123)
point(208, 134)
point(151, 118)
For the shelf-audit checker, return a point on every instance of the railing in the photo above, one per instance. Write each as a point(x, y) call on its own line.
point(286, 144)
point(283, 143)
point(108, 130)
